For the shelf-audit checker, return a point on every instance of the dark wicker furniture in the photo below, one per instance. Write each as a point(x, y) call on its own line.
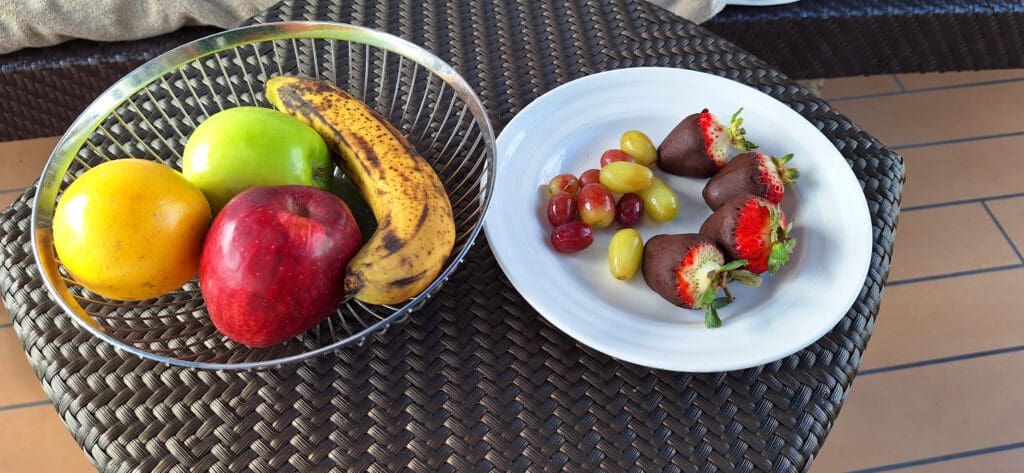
point(477, 381)
point(834, 38)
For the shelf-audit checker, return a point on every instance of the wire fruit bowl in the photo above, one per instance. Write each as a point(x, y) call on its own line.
point(151, 112)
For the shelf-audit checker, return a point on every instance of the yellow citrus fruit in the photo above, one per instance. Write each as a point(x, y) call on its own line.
point(131, 229)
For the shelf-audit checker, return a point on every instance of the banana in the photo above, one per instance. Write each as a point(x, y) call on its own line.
point(415, 228)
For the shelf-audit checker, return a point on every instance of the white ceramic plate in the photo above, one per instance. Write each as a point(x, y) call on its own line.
point(567, 129)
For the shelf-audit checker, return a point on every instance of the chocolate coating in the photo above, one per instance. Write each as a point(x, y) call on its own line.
point(662, 255)
point(682, 151)
point(739, 176)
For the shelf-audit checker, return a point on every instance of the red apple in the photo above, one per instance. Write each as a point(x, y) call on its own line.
point(273, 263)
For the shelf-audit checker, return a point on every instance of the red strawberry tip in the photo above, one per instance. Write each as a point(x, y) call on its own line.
point(737, 134)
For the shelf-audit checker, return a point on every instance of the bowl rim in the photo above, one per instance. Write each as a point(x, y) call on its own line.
point(49, 184)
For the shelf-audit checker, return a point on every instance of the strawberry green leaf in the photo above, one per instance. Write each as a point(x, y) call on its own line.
point(736, 133)
point(783, 160)
point(728, 293)
point(711, 319)
point(774, 221)
point(712, 304)
point(782, 236)
point(780, 254)
point(737, 264)
point(707, 298)
point(736, 116)
point(746, 278)
point(789, 175)
point(721, 302)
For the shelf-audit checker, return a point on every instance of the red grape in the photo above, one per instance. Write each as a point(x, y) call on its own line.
point(590, 176)
point(561, 208)
point(629, 210)
point(596, 205)
point(564, 182)
point(614, 155)
point(572, 237)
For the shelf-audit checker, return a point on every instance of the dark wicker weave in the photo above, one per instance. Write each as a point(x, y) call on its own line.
point(476, 381)
point(44, 89)
point(834, 38)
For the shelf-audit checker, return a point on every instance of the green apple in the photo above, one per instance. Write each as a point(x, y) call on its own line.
point(245, 147)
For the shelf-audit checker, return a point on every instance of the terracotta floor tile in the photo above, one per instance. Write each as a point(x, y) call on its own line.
point(33, 439)
point(814, 85)
point(940, 115)
point(943, 79)
point(1007, 461)
point(19, 381)
point(858, 85)
point(23, 161)
point(943, 173)
point(926, 412)
point(8, 198)
point(937, 319)
point(1010, 213)
point(946, 240)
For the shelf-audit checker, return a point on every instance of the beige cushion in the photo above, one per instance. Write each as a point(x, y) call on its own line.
point(36, 23)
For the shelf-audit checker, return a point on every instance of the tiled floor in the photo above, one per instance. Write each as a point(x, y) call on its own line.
point(940, 384)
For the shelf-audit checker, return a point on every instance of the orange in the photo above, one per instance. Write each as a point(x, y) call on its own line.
point(131, 229)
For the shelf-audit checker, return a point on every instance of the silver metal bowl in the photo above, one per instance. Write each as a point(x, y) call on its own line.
point(150, 114)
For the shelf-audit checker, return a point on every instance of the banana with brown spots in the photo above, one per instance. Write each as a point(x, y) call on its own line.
point(415, 228)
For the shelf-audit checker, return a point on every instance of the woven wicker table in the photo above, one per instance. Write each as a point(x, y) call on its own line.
point(476, 381)
point(836, 38)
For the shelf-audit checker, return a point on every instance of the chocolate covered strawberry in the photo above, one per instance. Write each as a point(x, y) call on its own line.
point(750, 173)
point(688, 270)
point(751, 228)
point(699, 145)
